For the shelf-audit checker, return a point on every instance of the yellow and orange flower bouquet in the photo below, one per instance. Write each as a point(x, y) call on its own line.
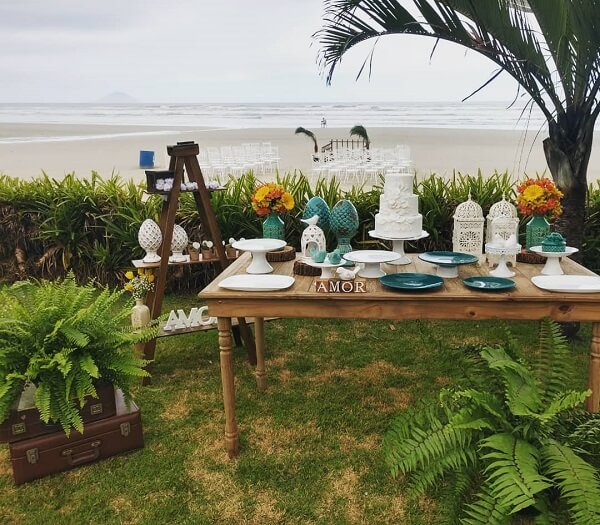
point(271, 197)
point(539, 197)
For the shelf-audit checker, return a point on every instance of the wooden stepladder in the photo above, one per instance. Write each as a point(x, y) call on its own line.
point(184, 156)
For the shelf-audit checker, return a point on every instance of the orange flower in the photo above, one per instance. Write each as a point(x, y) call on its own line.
point(539, 197)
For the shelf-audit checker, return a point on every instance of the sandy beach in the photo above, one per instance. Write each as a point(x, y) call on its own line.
point(58, 149)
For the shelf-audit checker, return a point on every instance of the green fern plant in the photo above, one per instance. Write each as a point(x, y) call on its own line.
point(514, 443)
point(63, 338)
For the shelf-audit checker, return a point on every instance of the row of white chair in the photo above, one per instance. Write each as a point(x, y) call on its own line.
point(360, 166)
point(233, 161)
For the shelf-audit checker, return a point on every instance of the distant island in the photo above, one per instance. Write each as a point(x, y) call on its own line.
point(117, 97)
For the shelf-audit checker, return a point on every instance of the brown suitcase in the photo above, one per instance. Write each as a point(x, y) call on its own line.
point(25, 424)
point(43, 455)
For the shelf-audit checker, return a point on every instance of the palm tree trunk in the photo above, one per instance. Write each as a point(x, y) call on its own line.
point(568, 162)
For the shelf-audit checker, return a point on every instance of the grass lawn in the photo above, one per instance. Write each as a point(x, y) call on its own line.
point(310, 445)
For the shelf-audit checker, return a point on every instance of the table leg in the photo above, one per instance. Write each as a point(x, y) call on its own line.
point(227, 379)
point(261, 376)
point(593, 402)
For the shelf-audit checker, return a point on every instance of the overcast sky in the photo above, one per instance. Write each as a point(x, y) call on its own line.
point(213, 51)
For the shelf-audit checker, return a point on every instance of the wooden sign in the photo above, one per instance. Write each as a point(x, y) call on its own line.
point(179, 320)
point(339, 286)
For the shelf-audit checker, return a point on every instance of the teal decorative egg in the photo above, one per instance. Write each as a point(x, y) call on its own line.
point(344, 219)
point(344, 224)
point(317, 206)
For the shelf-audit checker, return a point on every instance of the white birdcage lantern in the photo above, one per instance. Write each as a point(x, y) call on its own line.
point(313, 238)
point(467, 236)
point(502, 221)
point(502, 208)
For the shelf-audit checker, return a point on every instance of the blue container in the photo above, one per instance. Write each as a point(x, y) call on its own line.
point(146, 159)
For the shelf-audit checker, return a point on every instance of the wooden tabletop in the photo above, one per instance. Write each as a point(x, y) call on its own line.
point(452, 301)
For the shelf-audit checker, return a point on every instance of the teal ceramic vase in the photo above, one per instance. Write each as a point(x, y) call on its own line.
point(344, 224)
point(317, 206)
point(273, 227)
point(537, 229)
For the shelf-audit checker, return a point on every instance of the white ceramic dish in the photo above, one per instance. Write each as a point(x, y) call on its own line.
point(259, 249)
point(371, 259)
point(568, 283)
point(257, 283)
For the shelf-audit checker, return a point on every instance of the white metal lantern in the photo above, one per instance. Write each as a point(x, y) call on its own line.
point(313, 237)
point(178, 244)
point(467, 236)
point(502, 208)
point(150, 237)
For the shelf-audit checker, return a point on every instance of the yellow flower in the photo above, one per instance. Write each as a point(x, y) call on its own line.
point(150, 278)
point(261, 193)
point(140, 271)
point(129, 287)
point(129, 275)
point(287, 200)
point(533, 193)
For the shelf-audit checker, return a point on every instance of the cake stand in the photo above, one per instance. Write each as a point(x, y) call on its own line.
point(372, 259)
point(502, 270)
point(259, 248)
point(398, 245)
point(448, 262)
point(552, 266)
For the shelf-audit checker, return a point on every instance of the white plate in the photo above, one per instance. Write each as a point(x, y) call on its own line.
point(568, 283)
point(257, 283)
point(258, 245)
point(371, 256)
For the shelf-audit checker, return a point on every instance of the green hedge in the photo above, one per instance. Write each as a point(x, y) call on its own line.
point(90, 225)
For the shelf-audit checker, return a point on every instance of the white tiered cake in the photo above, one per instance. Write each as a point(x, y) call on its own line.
point(398, 215)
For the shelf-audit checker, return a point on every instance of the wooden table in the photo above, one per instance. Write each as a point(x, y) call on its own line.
point(454, 301)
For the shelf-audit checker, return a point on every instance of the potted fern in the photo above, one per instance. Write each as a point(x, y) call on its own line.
point(515, 445)
point(61, 340)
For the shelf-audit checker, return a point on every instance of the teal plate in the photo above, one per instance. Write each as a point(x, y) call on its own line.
point(448, 258)
point(489, 284)
point(411, 281)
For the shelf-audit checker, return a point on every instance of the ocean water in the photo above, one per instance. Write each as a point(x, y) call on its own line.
point(160, 118)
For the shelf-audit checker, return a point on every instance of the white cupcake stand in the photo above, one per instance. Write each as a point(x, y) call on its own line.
point(398, 245)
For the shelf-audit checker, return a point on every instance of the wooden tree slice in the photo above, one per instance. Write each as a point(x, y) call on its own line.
point(301, 268)
point(287, 253)
point(528, 257)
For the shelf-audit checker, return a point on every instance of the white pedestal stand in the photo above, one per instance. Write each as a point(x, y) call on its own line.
point(552, 266)
point(259, 248)
point(372, 260)
point(398, 245)
point(502, 270)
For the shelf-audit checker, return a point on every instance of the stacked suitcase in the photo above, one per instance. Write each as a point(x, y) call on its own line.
point(38, 449)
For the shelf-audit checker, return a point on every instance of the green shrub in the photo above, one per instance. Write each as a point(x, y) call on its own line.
point(49, 227)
